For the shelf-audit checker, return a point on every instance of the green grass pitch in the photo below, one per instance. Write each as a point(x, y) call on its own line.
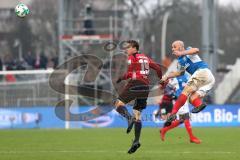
point(112, 144)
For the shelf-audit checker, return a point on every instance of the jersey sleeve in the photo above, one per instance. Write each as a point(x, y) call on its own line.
point(126, 76)
point(156, 67)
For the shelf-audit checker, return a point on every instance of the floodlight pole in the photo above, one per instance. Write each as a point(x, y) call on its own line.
point(164, 32)
point(60, 30)
point(210, 33)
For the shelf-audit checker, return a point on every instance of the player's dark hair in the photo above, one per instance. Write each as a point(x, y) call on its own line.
point(133, 44)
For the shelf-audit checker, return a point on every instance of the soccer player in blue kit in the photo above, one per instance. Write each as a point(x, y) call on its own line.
point(177, 84)
point(198, 85)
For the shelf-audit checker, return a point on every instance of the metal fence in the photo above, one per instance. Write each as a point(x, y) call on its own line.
point(29, 88)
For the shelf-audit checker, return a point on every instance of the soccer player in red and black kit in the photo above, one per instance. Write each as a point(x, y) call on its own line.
point(137, 89)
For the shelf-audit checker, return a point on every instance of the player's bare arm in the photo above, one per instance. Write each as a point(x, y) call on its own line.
point(173, 74)
point(186, 52)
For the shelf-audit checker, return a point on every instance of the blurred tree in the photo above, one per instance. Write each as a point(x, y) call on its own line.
point(229, 33)
point(44, 25)
point(184, 23)
point(20, 38)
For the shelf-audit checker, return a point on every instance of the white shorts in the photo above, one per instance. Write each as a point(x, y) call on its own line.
point(184, 109)
point(203, 80)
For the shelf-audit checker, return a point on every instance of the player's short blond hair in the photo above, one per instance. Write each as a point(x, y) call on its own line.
point(181, 43)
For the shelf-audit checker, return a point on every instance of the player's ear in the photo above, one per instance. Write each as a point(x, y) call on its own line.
point(181, 48)
point(135, 50)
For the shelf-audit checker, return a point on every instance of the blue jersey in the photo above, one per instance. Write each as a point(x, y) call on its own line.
point(182, 81)
point(191, 63)
point(179, 83)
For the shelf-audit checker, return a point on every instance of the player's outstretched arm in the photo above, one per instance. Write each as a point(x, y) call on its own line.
point(190, 51)
point(173, 74)
point(156, 67)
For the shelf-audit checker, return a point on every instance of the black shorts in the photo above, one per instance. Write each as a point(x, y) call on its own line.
point(135, 90)
point(183, 117)
point(165, 108)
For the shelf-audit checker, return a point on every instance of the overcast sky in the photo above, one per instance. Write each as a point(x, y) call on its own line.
point(236, 3)
point(226, 2)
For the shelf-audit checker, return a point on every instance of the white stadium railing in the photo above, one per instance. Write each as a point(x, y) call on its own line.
point(228, 85)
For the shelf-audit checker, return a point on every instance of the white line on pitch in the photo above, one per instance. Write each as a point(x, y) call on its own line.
point(107, 151)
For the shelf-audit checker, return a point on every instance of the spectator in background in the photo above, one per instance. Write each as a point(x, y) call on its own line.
point(55, 61)
point(10, 65)
point(1, 68)
point(22, 65)
point(40, 61)
point(1, 65)
point(88, 21)
point(29, 59)
point(37, 62)
point(50, 63)
point(43, 61)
